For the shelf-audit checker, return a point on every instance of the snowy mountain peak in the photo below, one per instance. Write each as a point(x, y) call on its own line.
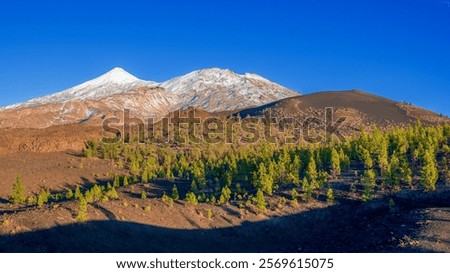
point(116, 75)
point(115, 81)
point(212, 76)
point(255, 77)
point(214, 71)
point(216, 89)
point(211, 73)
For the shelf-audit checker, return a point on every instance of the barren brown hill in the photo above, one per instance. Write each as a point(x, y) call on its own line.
point(52, 139)
point(49, 157)
point(195, 113)
point(358, 106)
point(58, 171)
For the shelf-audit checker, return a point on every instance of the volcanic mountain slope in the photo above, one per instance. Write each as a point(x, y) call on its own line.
point(216, 90)
point(116, 81)
point(108, 95)
point(358, 107)
point(148, 102)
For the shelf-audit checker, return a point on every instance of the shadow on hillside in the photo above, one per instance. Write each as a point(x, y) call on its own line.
point(75, 153)
point(370, 227)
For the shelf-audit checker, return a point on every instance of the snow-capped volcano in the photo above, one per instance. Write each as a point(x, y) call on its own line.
point(211, 89)
point(114, 82)
point(217, 89)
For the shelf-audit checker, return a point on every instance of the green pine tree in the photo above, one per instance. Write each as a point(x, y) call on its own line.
point(82, 210)
point(383, 161)
point(175, 194)
point(18, 192)
point(144, 176)
point(116, 182)
point(307, 189)
point(369, 182)
point(335, 163)
point(194, 187)
point(260, 201)
point(330, 195)
point(294, 194)
point(191, 198)
point(311, 174)
point(263, 179)
point(112, 193)
point(225, 195)
point(78, 193)
point(125, 181)
point(42, 197)
point(367, 159)
point(429, 172)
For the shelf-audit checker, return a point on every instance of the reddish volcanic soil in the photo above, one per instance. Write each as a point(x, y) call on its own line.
point(56, 170)
point(52, 139)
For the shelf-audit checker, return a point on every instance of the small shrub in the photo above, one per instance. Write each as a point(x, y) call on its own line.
point(294, 202)
point(6, 223)
point(32, 200)
point(143, 195)
point(330, 195)
point(42, 197)
point(294, 194)
point(58, 197)
point(120, 163)
point(167, 199)
point(112, 193)
point(281, 203)
point(212, 199)
point(391, 203)
point(209, 213)
point(69, 194)
point(89, 196)
point(91, 149)
point(191, 198)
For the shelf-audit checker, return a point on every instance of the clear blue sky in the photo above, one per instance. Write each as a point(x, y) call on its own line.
point(397, 49)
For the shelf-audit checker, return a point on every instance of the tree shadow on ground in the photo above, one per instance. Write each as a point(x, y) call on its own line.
point(369, 227)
